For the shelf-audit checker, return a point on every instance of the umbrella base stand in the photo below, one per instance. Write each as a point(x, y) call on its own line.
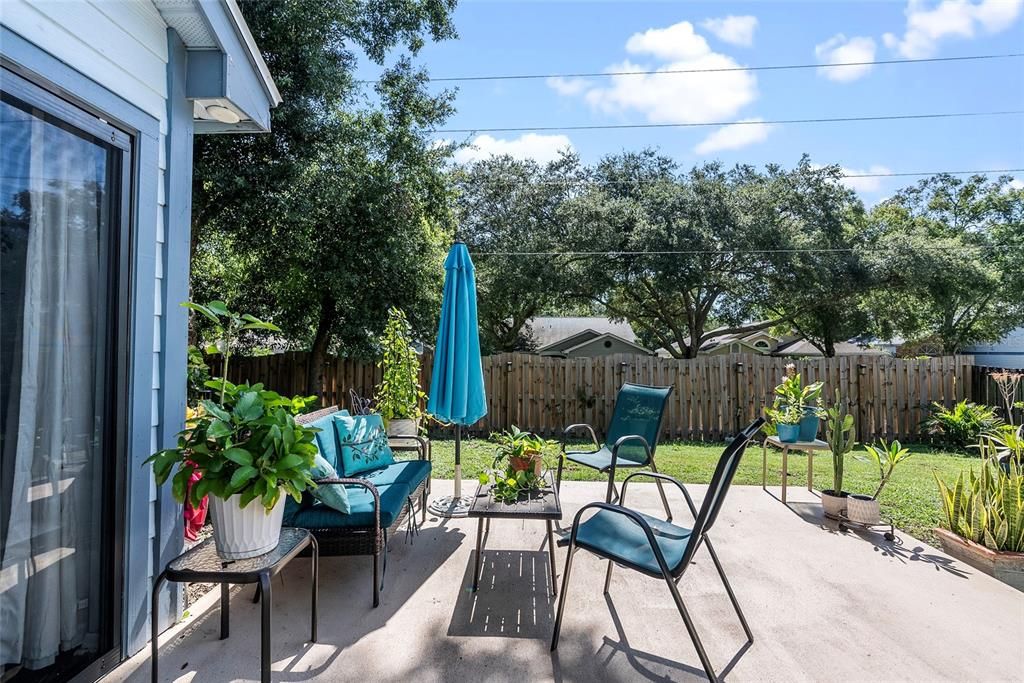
point(450, 506)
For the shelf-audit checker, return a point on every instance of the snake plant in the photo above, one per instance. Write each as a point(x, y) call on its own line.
point(987, 507)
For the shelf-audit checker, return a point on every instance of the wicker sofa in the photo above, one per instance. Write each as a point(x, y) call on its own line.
point(382, 500)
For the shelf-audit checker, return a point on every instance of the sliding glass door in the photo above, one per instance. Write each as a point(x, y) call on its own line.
point(63, 212)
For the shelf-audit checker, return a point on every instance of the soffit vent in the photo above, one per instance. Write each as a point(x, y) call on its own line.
point(185, 17)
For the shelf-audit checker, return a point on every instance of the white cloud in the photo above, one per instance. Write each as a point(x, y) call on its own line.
point(541, 148)
point(568, 86)
point(733, 29)
point(670, 98)
point(734, 136)
point(839, 49)
point(864, 184)
point(928, 23)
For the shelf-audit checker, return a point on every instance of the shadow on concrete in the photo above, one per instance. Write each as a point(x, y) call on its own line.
point(513, 599)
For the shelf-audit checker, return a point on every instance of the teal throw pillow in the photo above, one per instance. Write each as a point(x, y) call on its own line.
point(363, 442)
point(332, 495)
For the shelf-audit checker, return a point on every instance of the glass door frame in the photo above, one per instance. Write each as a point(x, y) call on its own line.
point(119, 258)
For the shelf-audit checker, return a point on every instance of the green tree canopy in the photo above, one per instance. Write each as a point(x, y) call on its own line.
point(952, 254)
point(342, 209)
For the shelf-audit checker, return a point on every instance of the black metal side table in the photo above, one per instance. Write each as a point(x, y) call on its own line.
point(202, 564)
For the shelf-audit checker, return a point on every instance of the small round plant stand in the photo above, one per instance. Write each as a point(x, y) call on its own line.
point(885, 527)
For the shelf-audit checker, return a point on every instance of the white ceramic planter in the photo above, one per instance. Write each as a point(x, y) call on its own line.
point(403, 427)
point(833, 506)
point(862, 509)
point(245, 532)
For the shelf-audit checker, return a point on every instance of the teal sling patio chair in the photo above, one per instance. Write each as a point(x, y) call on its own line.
point(631, 441)
point(654, 547)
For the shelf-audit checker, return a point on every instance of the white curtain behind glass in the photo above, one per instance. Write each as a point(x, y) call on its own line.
point(49, 579)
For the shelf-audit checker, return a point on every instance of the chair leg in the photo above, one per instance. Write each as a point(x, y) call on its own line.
point(728, 589)
point(692, 630)
point(561, 598)
point(423, 506)
point(612, 495)
point(661, 490)
point(608, 576)
point(376, 578)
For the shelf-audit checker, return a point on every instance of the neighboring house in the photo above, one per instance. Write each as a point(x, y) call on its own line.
point(100, 102)
point(1007, 353)
point(764, 343)
point(584, 337)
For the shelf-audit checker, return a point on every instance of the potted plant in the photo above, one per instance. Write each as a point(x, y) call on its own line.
point(983, 517)
point(842, 437)
point(790, 392)
point(247, 447)
point(398, 395)
point(786, 419)
point(518, 464)
point(865, 509)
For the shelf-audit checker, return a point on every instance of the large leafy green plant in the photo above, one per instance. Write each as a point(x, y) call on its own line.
point(398, 395)
point(792, 399)
point(987, 507)
point(247, 442)
point(962, 425)
point(507, 481)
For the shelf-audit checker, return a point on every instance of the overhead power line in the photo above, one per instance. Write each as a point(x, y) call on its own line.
point(705, 124)
point(727, 252)
point(772, 67)
point(648, 181)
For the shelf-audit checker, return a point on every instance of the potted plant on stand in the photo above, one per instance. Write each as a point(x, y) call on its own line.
point(842, 437)
point(518, 464)
point(247, 447)
point(864, 509)
point(806, 400)
point(398, 395)
point(787, 422)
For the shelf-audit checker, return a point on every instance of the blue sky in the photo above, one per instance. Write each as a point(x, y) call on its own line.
point(563, 37)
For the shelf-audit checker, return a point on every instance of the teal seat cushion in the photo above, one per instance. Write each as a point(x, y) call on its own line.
point(363, 444)
point(333, 495)
point(619, 538)
point(409, 472)
point(602, 459)
point(319, 516)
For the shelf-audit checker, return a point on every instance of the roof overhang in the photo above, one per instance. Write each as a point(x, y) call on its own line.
point(227, 78)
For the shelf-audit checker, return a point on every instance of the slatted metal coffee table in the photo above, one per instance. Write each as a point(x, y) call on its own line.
point(539, 505)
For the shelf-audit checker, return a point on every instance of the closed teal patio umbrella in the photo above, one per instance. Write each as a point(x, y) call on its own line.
point(457, 382)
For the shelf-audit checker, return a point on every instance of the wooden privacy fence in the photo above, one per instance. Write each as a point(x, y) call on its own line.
point(984, 390)
point(713, 396)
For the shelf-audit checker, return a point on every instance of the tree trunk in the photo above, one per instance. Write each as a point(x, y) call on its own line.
point(318, 351)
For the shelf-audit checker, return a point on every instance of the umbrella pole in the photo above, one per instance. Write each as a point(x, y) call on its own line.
point(456, 505)
point(458, 461)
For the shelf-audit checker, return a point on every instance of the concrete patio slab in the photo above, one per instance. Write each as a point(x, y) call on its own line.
point(822, 606)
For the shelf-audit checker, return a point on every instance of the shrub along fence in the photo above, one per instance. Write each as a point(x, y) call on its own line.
point(713, 396)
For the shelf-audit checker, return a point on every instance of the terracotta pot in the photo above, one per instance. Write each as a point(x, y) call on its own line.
point(245, 532)
point(532, 462)
point(862, 509)
point(833, 505)
point(1005, 566)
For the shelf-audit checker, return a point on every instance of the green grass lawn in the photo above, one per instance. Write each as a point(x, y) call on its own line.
point(911, 498)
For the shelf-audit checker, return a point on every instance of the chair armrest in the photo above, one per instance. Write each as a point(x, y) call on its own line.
point(665, 477)
point(421, 443)
point(636, 517)
point(349, 481)
point(624, 440)
point(571, 428)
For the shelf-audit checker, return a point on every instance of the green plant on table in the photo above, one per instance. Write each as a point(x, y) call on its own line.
point(247, 442)
point(785, 415)
point(885, 456)
point(963, 424)
point(791, 392)
point(512, 472)
point(988, 507)
point(398, 395)
point(842, 437)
